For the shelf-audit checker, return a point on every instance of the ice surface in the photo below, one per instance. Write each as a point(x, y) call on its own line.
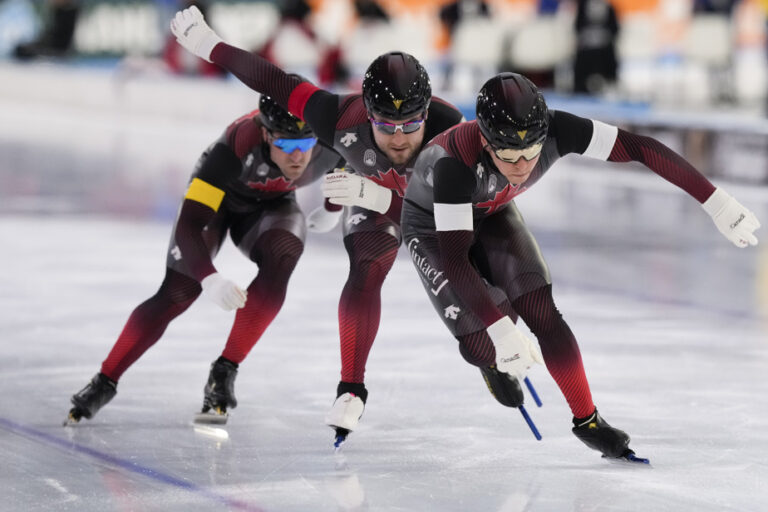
point(672, 325)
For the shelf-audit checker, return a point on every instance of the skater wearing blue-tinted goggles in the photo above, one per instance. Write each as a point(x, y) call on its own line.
point(291, 145)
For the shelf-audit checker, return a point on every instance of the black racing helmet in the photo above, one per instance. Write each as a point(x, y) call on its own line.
point(396, 86)
point(511, 112)
point(276, 119)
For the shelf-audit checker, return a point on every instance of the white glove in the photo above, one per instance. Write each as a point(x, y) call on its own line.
point(193, 33)
point(731, 218)
point(353, 190)
point(321, 220)
point(223, 292)
point(515, 352)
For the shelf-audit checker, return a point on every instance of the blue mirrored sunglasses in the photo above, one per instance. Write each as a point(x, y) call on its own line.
point(291, 145)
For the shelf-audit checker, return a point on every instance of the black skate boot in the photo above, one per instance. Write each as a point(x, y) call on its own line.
point(219, 392)
point(504, 388)
point(95, 395)
point(596, 433)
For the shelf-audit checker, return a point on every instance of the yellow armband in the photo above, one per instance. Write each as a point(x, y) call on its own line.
point(205, 193)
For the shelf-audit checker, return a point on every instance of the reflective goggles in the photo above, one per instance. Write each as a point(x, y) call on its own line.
point(291, 145)
point(513, 155)
point(391, 128)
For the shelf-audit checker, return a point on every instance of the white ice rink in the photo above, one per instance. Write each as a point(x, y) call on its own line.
point(672, 324)
point(671, 318)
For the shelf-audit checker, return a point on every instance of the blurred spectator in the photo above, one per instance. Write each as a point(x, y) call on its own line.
point(548, 6)
point(294, 16)
point(714, 6)
point(58, 32)
point(596, 31)
point(180, 61)
point(370, 10)
point(451, 15)
point(18, 22)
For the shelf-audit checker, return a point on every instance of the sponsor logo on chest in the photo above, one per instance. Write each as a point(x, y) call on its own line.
point(262, 170)
point(369, 157)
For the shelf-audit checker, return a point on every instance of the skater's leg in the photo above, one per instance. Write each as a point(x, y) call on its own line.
point(144, 327)
point(276, 253)
point(149, 320)
point(371, 256)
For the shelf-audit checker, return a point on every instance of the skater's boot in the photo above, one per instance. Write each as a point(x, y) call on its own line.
point(95, 395)
point(219, 391)
point(504, 388)
point(596, 433)
point(347, 409)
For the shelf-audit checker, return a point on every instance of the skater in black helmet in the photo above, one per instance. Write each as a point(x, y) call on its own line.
point(379, 133)
point(481, 265)
point(243, 185)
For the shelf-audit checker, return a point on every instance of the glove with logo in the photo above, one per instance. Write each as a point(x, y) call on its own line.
point(193, 33)
point(349, 189)
point(223, 292)
point(515, 352)
point(733, 220)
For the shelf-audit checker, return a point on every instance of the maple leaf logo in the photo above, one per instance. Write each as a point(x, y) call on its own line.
point(392, 180)
point(280, 184)
point(501, 198)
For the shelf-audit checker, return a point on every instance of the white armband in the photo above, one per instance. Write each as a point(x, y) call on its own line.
point(603, 138)
point(453, 217)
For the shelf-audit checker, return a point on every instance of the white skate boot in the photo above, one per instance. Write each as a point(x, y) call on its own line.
point(346, 410)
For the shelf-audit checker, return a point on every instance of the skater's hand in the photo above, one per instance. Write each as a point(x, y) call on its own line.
point(193, 33)
point(223, 292)
point(515, 352)
point(349, 189)
point(321, 220)
point(731, 218)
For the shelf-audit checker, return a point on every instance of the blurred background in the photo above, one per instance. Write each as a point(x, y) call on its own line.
point(100, 109)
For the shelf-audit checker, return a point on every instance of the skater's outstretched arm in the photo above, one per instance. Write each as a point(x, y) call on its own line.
point(603, 141)
point(316, 106)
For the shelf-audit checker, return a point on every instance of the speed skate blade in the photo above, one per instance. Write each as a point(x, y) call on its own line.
point(73, 418)
point(211, 418)
point(629, 457)
point(69, 421)
point(340, 438)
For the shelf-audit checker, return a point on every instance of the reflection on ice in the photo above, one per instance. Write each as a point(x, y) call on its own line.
point(214, 432)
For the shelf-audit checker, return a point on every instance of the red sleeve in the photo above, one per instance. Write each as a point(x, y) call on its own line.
point(299, 98)
point(192, 219)
point(663, 161)
point(464, 279)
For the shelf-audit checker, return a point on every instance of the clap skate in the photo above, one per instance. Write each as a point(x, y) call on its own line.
point(613, 443)
point(346, 410)
point(504, 388)
point(95, 395)
point(507, 391)
point(219, 393)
